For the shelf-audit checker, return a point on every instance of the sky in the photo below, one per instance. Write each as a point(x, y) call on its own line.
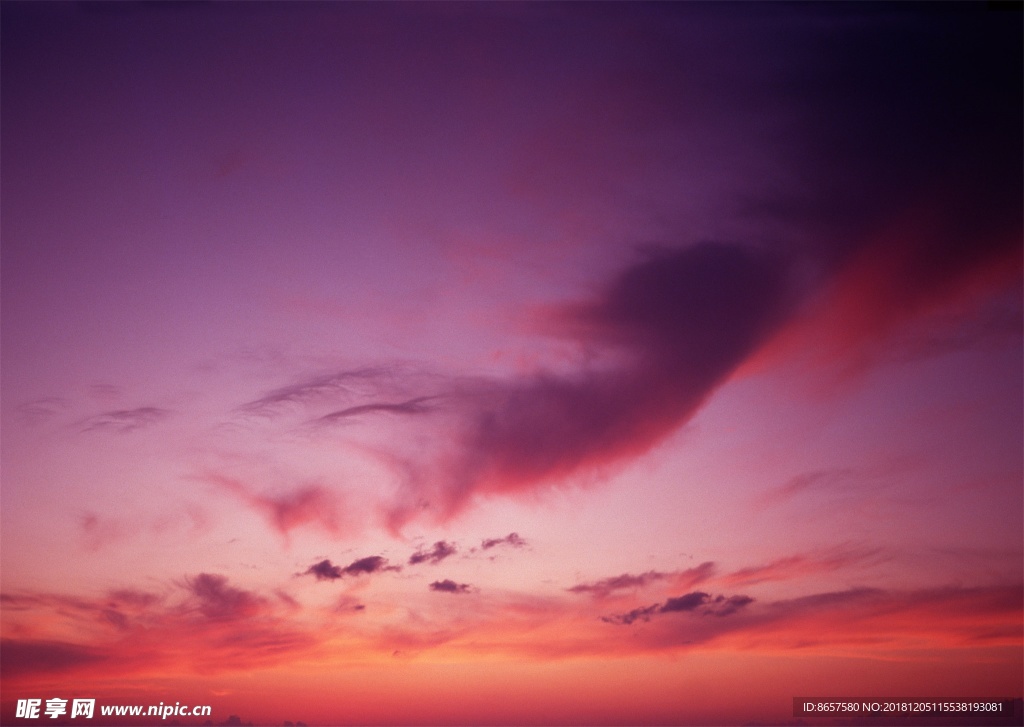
point(510, 364)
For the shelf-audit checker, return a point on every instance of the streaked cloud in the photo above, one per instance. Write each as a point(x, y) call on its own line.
point(450, 586)
point(627, 581)
point(124, 421)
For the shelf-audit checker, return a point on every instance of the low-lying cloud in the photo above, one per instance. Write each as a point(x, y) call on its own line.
point(696, 602)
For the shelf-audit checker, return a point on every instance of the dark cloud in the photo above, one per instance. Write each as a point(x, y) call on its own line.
point(20, 658)
point(680, 319)
point(689, 602)
point(896, 132)
point(325, 571)
point(696, 602)
point(907, 130)
point(672, 326)
point(921, 109)
point(123, 421)
point(723, 606)
point(511, 539)
point(371, 564)
point(448, 586)
point(435, 555)
point(218, 601)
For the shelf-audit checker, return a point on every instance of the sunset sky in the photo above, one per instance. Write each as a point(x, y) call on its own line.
point(513, 364)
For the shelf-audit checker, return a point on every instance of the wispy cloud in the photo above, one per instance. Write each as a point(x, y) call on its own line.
point(39, 411)
point(340, 395)
point(627, 581)
point(123, 421)
point(416, 405)
point(327, 386)
point(606, 586)
point(823, 479)
point(801, 565)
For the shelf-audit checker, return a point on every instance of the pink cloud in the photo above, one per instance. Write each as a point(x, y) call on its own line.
point(311, 505)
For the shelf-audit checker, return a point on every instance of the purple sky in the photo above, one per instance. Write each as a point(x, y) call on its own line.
point(475, 336)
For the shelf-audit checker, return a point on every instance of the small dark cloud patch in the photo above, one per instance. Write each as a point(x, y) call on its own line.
point(450, 586)
point(697, 602)
point(511, 539)
point(435, 555)
point(325, 570)
point(123, 421)
point(372, 564)
point(685, 603)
